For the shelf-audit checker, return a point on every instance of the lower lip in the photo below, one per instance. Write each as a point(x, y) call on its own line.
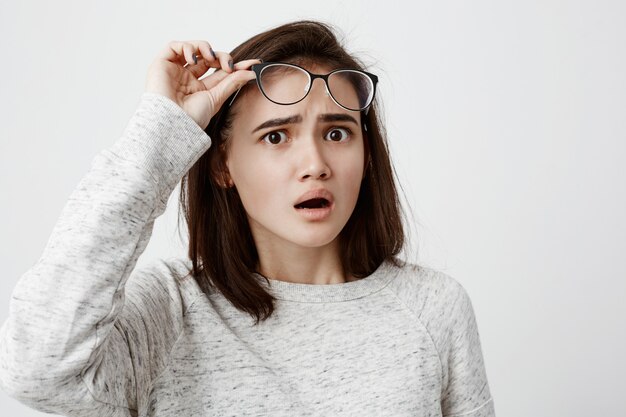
point(317, 213)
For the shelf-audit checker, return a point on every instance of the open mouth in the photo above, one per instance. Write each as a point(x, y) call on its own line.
point(314, 203)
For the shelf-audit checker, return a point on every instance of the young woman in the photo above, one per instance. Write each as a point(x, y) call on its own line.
point(292, 301)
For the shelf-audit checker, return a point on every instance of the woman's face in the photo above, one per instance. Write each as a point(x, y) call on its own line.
point(273, 166)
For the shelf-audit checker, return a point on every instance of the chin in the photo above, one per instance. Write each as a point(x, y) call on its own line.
point(303, 234)
point(314, 238)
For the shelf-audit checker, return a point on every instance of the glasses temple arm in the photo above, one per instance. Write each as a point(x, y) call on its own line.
point(233, 99)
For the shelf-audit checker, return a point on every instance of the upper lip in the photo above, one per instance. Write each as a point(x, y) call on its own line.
point(316, 193)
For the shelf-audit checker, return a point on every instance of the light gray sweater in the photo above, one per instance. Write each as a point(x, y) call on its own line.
point(88, 334)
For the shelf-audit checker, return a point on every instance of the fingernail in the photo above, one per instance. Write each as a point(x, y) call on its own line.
point(213, 53)
point(195, 59)
point(230, 64)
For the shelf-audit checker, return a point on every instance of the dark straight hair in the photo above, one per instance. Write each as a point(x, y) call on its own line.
point(221, 247)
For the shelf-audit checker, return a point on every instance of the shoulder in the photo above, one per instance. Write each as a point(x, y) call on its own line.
point(163, 282)
point(437, 301)
point(426, 291)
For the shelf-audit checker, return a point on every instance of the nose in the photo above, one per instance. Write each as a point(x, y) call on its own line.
point(314, 163)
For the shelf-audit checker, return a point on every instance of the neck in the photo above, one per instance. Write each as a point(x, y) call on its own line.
point(305, 265)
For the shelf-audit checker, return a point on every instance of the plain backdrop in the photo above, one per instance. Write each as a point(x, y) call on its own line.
point(506, 124)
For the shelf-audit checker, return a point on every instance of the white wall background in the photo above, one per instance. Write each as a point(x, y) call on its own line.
point(506, 123)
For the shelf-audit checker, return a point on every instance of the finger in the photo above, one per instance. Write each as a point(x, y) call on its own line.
point(181, 52)
point(225, 60)
point(202, 66)
point(231, 83)
point(189, 52)
point(247, 63)
point(173, 52)
point(221, 61)
point(206, 59)
point(213, 79)
point(207, 52)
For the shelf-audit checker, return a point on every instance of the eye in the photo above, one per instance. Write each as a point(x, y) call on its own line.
point(336, 137)
point(274, 137)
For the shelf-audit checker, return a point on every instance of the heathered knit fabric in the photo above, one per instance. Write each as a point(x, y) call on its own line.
point(89, 334)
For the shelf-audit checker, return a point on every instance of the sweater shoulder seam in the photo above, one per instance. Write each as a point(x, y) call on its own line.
point(178, 338)
point(423, 325)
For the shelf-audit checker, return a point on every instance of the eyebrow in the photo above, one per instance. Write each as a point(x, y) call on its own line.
point(325, 117)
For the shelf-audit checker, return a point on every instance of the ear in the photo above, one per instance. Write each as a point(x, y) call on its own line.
point(224, 180)
point(219, 169)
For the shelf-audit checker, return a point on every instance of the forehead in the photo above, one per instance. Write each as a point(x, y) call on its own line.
point(315, 67)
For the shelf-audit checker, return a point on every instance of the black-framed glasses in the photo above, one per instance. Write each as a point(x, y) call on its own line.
point(284, 83)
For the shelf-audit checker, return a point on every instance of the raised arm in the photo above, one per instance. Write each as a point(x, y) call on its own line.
point(62, 317)
point(78, 340)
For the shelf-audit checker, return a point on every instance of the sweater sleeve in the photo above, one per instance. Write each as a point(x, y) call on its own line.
point(466, 389)
point(78, 340)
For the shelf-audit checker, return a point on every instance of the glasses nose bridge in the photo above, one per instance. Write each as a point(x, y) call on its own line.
point(324, 79)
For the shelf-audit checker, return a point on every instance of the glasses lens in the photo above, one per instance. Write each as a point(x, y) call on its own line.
point(284, 84)
point(352, 89)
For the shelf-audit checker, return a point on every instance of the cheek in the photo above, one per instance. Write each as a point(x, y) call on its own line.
point(348, 175)
point(258, 182)
point(353, 179)
point(350, 168)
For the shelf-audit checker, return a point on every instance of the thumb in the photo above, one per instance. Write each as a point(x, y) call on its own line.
point(229, 85)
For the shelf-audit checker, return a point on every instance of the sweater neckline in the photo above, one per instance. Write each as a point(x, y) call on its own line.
point(322, 293)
